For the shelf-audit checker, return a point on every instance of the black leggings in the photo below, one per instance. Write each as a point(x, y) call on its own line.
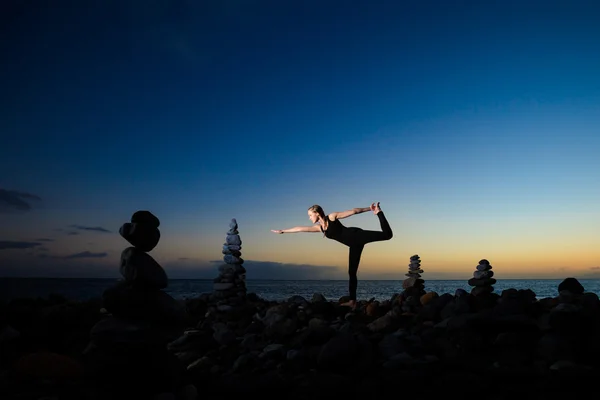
point(359, 239)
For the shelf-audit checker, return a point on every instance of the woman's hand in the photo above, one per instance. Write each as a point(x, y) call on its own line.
point(277, 231)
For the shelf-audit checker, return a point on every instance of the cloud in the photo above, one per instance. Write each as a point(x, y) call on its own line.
point(90, 228)
point(196, 269)
point(595, 268)
point(44, 240)
point(85, 254)
point(42, 253)
point(11, 200)
point(72, 233)
point(58, 267)
point(8, 244)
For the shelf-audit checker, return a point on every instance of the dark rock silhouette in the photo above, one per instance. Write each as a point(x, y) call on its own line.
point(128, 355)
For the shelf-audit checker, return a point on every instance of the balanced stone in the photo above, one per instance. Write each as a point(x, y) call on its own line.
point(140, 268)
point(233, 227)
point(146, 218)
point(141, 235)
point(484, 265)
point(233, 239)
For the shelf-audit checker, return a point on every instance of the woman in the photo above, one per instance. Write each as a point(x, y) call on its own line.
point(354, 238)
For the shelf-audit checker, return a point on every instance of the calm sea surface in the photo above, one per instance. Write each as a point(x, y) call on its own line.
point(82, 289)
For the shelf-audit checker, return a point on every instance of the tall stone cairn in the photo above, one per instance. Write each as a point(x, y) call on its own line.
point(482, 280)
point(231, 281)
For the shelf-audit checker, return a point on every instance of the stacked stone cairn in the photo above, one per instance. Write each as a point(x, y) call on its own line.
point(128, 354)
point(414, 286)
point(231, 282)
point(482, 280)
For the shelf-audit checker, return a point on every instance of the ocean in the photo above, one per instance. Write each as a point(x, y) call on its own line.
point(83, 289)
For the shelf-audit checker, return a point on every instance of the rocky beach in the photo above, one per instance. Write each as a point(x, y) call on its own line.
point(137, 342)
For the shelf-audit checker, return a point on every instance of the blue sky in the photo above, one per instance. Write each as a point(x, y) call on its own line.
point(476, 124)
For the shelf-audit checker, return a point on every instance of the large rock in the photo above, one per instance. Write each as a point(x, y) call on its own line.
point(140, 268)
point(143, 236)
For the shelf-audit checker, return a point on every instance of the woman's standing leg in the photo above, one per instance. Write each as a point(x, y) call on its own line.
point(353, 262)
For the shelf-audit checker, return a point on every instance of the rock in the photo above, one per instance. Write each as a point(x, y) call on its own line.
point(572, 285)
point(142, 236)
point(339, 353)
point(146, 218)
point(140, 268)
point(48, 366)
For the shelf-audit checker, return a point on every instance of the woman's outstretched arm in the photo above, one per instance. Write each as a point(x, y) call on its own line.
point(298, 229)
point(345, 214)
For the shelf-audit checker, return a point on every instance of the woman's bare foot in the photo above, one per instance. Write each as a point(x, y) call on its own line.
point(351, 303)
point(375, 208)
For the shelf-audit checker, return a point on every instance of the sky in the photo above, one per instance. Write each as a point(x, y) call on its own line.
point(476, 124)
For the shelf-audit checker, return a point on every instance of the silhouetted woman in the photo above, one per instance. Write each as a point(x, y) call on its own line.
point(354, 238)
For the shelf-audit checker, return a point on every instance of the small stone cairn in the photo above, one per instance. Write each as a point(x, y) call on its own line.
point(414, 286)
point(129, 344)
point(482, 280)
point(231, 282)
point(414, 275)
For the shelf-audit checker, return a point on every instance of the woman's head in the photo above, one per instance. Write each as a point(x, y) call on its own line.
point(315, 213)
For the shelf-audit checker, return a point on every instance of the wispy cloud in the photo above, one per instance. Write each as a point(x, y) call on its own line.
point(86, 254)
point(12, 200)
point(9, 244)
point(90, 228)
point(44, 240)
point(190, 268)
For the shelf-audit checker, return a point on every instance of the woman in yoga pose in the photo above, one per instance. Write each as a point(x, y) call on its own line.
point(354, 238)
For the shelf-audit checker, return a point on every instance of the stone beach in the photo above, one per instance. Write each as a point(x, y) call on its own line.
point(138, 342)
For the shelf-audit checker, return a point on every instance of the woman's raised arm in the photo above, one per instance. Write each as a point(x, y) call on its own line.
point(297, 229)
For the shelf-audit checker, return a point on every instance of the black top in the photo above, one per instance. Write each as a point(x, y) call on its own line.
point(335, 230)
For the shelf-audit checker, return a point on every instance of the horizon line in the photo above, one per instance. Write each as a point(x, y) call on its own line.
point(293, 280)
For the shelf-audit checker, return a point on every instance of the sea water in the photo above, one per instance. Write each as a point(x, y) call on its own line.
point(83, 289)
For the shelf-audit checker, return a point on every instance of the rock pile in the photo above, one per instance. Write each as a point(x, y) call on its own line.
point(414, 275)
point(414, 286)
point(231, 282)
point(447, 340)
point(482, 280)
point(128, 349)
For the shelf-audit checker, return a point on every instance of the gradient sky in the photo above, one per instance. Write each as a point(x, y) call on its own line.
point(476, 124)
